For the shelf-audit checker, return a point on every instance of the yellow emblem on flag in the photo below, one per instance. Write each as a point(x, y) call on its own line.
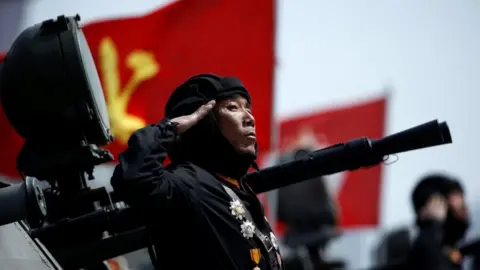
point(143, 66)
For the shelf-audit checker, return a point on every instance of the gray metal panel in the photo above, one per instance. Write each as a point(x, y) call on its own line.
point(19, 252)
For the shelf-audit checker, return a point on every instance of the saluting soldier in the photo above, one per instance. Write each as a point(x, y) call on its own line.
point(200, 212)
point(443, 220)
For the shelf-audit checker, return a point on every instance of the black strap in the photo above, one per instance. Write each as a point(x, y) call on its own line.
point(265, 239)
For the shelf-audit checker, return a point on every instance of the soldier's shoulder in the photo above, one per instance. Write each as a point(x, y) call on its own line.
point(186, 168)
point(188, 171)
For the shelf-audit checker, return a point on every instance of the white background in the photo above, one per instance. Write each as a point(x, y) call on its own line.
point(427, 53)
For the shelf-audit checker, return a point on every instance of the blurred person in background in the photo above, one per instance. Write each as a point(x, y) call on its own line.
point(309, 213)
point(442, 220)
point(200, 212)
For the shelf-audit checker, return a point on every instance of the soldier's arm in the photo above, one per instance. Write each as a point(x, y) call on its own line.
point(427, 252)
point(140, 177)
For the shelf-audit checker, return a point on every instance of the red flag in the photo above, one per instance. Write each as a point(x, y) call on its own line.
point(141, 60)
point(357, 192)
point(10, 143)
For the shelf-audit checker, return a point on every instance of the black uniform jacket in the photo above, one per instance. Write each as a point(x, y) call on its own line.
point(187, 208)
point(428, 253)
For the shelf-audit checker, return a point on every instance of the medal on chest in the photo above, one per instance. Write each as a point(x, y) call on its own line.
point(237, 209)
point(255, 255)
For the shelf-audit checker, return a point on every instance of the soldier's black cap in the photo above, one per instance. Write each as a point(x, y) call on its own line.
point(431, 184)
point(199, 90)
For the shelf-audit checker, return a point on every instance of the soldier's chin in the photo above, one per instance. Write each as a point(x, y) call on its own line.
point(248, 149)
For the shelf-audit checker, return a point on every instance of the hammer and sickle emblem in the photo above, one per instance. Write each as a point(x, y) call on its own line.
point(143, 66)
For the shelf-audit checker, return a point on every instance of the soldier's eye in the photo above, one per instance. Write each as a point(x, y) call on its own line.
point(232, 107)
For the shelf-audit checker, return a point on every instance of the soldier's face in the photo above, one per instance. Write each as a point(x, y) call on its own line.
point(456, 202)
point(237, 124)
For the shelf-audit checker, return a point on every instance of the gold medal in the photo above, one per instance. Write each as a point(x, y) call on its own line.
point(255, 255)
